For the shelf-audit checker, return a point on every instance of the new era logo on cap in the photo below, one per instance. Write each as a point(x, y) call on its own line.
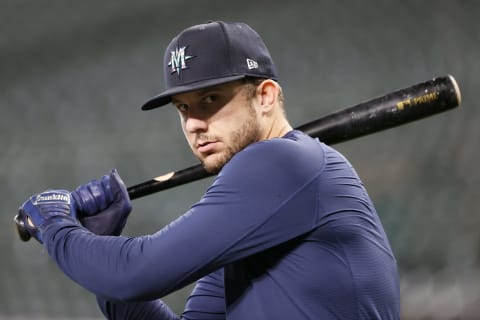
point(252, 64)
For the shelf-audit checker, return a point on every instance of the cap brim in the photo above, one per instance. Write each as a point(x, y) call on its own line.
point(166, 96)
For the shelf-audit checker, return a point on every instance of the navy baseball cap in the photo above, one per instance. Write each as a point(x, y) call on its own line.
point(211, 54)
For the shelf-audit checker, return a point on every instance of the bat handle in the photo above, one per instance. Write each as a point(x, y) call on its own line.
point(22, 231)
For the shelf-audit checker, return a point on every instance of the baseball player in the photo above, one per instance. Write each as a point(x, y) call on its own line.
point(285, 231)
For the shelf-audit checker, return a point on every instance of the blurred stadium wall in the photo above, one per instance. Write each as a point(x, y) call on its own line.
point(74, 73)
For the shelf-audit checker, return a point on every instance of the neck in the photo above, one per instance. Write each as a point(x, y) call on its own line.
point(277, 129)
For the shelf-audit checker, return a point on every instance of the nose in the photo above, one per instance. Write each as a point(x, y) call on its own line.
point(195, 124)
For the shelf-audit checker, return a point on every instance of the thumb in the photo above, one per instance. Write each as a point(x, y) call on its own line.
point(119, 190)
point(118, 186)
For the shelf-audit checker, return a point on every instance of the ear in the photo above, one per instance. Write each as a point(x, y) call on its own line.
point(268, 92)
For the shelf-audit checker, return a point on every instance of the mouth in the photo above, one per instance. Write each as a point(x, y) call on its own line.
point(206, 146)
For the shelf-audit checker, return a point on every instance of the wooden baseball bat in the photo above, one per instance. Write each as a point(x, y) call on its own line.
point(384, 112)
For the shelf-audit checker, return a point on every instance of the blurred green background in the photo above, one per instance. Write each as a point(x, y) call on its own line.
point(73, 75)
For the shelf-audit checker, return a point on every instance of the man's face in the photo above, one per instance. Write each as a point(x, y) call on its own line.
point(218, 122)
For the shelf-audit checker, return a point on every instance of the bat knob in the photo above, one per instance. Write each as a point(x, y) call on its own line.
point(22, 231)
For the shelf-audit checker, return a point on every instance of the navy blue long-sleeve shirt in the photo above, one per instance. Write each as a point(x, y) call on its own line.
point(286, 231)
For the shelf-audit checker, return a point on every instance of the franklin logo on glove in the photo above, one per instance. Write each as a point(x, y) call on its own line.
point(52, 197)
point(44, 209)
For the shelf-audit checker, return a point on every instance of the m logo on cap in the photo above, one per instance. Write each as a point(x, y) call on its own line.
point(178, 60)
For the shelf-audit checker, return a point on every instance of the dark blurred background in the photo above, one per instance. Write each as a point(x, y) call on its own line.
point(73, 75)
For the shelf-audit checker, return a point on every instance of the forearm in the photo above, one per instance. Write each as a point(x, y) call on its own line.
point(206, 302)
point(152, 310)
point(116, 268)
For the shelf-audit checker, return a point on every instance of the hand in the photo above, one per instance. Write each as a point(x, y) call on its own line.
point(45, 208)
point(103, 205)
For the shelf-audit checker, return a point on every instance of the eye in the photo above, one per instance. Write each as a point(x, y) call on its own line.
point(182, 107)
point(211, 98)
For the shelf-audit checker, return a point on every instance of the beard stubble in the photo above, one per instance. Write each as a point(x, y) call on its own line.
point(246, 134)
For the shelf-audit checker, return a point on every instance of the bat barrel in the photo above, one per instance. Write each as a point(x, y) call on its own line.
point(387, 111)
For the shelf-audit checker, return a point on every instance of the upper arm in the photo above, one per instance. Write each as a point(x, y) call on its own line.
point(207, 300)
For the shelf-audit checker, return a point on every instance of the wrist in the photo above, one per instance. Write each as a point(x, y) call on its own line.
point(56, 220)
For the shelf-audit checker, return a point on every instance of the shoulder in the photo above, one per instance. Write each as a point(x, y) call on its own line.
point(294, 156)
point(294, 147)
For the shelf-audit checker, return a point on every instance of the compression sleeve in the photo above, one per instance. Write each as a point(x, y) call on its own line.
point(245, 211)
point(206, 302)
